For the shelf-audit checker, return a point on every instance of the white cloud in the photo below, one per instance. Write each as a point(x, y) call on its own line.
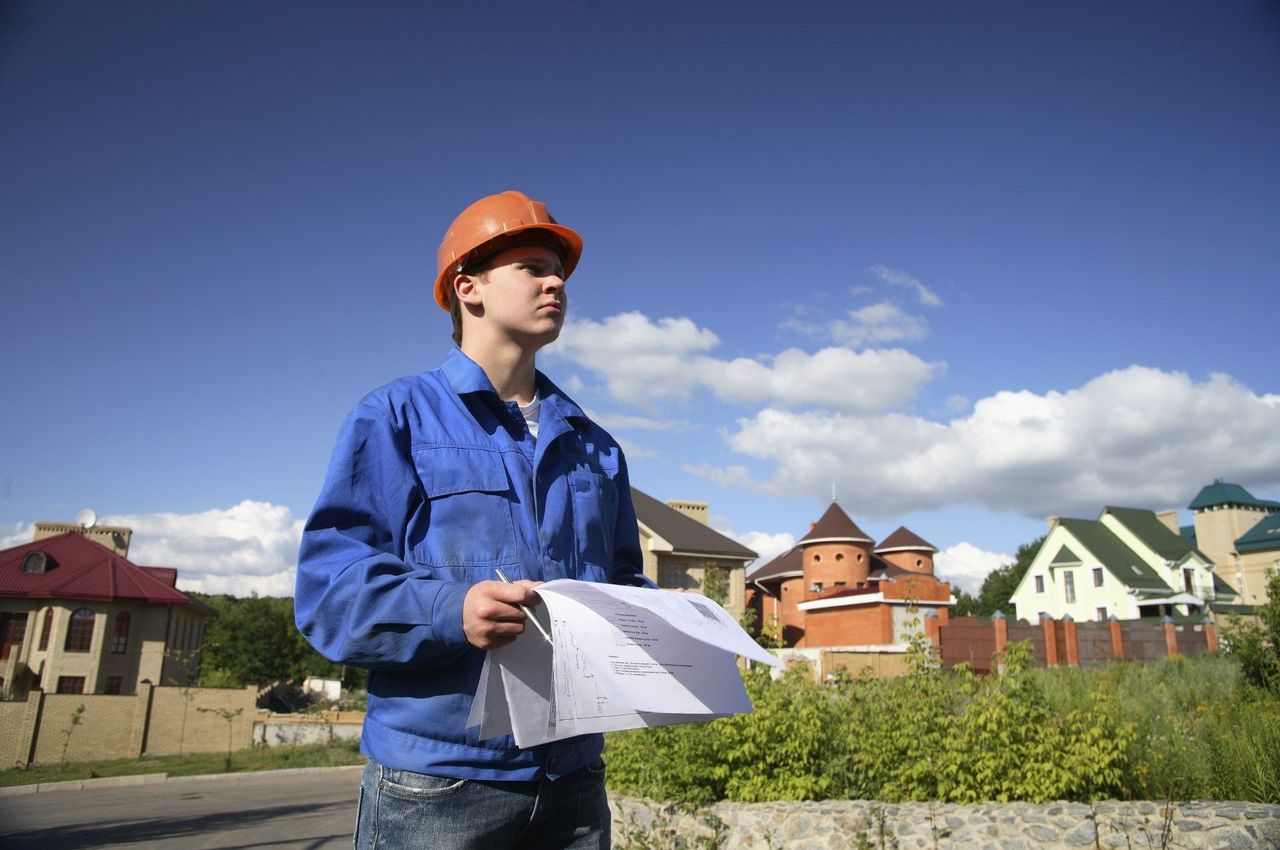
point(643, 362)
point(924, 294)
point(621, 421)
point(17, 534)
point(736, 477)
point(769, 546)
point(878, 323)
point(966, 566)
point(1135, 436)
point(250, 547)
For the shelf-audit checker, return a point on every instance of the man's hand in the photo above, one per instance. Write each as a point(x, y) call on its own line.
point(491, 615)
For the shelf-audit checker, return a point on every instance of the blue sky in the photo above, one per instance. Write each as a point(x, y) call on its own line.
point(968, 264)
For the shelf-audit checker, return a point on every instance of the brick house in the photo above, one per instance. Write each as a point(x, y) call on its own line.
point(836, 587)
point(679, 545)
point(76, 616)
point(1240, 534)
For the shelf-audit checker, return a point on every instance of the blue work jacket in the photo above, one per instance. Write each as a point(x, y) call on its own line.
point(434, 483)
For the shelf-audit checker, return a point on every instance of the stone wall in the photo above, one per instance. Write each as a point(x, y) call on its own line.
point(645, 825)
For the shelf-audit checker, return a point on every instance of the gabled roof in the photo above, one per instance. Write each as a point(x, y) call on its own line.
point(1265, 534)
point(684, 533)
point(1118, 558)
point(79, 568)
point(835, 524)
point(789, 563)
point(906, 539)
point(1065, 556)
point(1155, 534)
point(1223, 493)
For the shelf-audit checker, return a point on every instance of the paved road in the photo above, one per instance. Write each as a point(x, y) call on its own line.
point(280, 811)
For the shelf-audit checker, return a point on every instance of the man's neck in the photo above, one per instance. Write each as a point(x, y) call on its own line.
point(510, 368)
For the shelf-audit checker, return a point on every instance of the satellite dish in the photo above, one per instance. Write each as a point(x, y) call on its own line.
point(86, 518)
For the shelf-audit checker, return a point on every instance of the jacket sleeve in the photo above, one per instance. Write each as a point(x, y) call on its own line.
point(357, 601)
point(628, 559)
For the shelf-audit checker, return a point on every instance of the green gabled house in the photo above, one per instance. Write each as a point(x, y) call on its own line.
point(1129, 563)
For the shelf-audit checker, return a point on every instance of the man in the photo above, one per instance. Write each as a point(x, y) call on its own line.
point(437, 482)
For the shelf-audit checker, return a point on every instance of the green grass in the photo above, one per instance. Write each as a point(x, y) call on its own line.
point(242, 761)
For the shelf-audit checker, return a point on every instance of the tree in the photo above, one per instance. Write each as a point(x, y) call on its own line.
point(715, 583)
point(999, 585)
point(1257, 643)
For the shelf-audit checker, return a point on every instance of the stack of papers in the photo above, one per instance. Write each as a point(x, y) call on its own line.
point(619, 658)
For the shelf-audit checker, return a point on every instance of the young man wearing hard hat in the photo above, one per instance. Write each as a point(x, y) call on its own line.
point(439, 481)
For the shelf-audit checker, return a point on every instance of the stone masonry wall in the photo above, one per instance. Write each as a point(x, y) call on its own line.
point(646, 825)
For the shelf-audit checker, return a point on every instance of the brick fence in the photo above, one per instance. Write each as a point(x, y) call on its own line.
point(977, 641)
point(51, 728)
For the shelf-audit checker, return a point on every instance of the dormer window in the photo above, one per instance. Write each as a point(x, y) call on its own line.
point(35, 562)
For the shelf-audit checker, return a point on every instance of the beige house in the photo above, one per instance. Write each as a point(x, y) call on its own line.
point(679, 545)
point(77, 617)
point(1129, 564)
point(1240, 534)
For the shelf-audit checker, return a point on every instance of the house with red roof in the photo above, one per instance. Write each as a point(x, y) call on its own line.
point(836, 587)
point(77, 617)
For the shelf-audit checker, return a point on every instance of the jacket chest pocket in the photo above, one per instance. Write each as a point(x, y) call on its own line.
point(595, 513)
point(469, 503)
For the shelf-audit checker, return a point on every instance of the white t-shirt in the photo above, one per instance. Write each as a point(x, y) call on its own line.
point(530, 413)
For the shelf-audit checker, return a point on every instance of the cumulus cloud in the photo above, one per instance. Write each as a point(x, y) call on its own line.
point(643, 362)
point(768, 546)
point(966, 566)
point(924, 294)
point(1136, 436)
point(249, 548)
point(878, 323)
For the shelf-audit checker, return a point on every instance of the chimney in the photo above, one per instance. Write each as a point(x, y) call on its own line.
point(693, 510)
point(1170, 520)
point(1053, 522)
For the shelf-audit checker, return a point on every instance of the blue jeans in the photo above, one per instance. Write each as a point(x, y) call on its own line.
point(400, 809)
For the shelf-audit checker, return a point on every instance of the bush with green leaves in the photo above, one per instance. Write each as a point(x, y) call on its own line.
point(1179, 729)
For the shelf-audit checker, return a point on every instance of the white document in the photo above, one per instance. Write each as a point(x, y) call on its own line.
point(620, 658)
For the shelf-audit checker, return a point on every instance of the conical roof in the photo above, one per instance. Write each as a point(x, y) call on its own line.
point(905, 538)
point(835, 525)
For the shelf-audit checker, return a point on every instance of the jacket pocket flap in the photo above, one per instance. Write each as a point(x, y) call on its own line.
point(448, 470)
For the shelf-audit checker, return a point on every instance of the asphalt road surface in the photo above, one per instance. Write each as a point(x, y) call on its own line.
point(269, 810)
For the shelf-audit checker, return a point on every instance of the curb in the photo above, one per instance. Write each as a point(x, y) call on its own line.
point(154, 778)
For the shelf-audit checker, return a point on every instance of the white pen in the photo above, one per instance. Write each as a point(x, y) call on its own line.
point(526, 611)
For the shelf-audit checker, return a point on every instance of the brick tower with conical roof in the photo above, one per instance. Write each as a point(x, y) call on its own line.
point(836, 554)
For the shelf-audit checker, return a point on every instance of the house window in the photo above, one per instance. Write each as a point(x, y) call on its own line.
point(816, 557)
point(1069, 585)
point(1039, 584)
point(1097, 576)
point(1102, 614)
point(113, 685)
point(839, 556)
point(13, 628)
point(79, 633)
point(816, 587)
point(71, 684)
point(46, 629)
point(35, 562)
point(1187, 584)
point(120, 635)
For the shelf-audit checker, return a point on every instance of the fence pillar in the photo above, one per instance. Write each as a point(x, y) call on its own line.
point(141, 719)
point(1117, 637)
point(1073, 649)
point(1170, 636)
point(1050, 643)
point(1210, 635)
point(932, 628)
point(30, 730)
point(1000, 625)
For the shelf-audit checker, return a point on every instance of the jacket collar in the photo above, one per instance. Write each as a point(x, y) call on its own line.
point(466, 376)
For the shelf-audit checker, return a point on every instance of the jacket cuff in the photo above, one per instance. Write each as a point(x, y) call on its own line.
point(446, 614)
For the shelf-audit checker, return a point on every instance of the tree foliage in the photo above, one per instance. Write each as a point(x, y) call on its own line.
point(999, 585)
point(253, 641)
point(1256, 643)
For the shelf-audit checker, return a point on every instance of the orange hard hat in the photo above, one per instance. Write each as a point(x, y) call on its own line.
point(494, 218)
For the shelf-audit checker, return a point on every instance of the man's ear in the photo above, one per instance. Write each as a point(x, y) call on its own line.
point(468, 289)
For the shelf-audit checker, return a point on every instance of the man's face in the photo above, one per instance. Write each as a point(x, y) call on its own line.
point(523, 294)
